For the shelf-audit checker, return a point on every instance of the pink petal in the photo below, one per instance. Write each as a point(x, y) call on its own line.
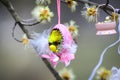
point(67, 63)
point(67, 57)
point(54, 63)
point(52, 58)
point(45, 56)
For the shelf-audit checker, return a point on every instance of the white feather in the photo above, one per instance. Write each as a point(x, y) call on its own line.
point(70, 48)
point(40, 42)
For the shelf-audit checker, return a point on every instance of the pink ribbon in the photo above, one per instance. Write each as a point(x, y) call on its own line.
point(58, 10)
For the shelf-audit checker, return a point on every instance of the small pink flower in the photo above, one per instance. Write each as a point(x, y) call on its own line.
point(52, 58)
point(66, 58)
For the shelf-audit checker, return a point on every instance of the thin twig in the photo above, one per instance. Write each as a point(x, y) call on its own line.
point(104, 8)
point(30, 24)
point(107, 3)
point(52, 69)
point(107, 12)
point(92, 3)
point(10, 8)
point(16, 17)
point(88, 2)
point(28, 20)
point(13, 34)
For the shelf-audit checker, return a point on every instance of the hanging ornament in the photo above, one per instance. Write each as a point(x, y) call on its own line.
point(103, 53)
point(56, 44)
point(107, 27)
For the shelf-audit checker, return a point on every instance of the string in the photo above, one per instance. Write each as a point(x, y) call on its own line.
point(119, 35)
point(101, 59)
point(103, 53)
point(58, 10)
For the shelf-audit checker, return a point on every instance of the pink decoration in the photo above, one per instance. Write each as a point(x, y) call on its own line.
point(66, 54)
point(67, 37)
point(105, 28)
point(52, 58)
point(66, 58)
point(62, 57)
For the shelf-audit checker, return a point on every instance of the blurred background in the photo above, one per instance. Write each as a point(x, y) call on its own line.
point(18, 63)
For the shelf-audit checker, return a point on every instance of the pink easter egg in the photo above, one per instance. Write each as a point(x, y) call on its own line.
point(67, 37)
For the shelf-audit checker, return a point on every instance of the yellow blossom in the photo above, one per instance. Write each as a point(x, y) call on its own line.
point(25, 40)
point(89, 13)
point(103, 74)
point(114, 16)
point(42, 13)
point(67, 74)
point(71, 4)
point(73, 28)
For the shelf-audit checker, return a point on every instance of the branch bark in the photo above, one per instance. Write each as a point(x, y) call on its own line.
point(17, 19)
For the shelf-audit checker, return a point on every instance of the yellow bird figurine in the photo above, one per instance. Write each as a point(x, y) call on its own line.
point(55, 39)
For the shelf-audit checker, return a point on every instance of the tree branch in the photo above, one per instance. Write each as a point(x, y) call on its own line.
point(13, 33)
point(30, 24)
point(92, 3)
point(14, 15)
point(28, 20)
point(17, 19)
point(102, 7)
point(88, 2)
point(53, 71)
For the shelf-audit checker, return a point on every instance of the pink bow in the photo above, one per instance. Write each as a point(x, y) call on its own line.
point(54, 59)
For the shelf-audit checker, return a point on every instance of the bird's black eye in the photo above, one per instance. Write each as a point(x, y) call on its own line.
point(50, 43)
point(54, 43)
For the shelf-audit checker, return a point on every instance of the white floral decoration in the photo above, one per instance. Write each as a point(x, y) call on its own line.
point(73, 28)
point(103, 74)
point(115, 74)
point(71, 4)
point(89, 13)
point(42, 13)
point(67, 74)
point(25, 41)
